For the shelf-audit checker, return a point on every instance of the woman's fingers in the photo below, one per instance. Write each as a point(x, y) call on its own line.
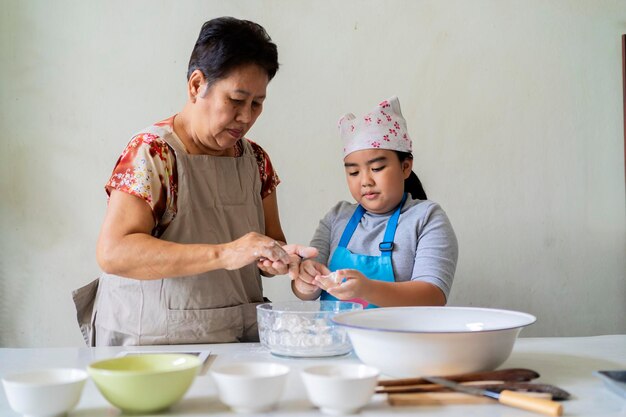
point(274, 252)
point(300, 250)
point(272, 268)
point(275, 259)
point(294, 266)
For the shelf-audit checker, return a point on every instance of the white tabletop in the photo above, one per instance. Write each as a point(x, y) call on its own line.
point(565, 362)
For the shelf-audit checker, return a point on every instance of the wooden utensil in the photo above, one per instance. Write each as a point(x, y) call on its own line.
point(511, 374)
point(445, 398)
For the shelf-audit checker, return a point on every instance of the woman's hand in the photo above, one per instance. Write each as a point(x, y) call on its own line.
point(353, 284)
point(250, 248)
point(296, 254)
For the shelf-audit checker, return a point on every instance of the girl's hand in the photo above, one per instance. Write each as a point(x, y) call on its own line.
point(329, 281)
point(352, 284)
point(304, 282)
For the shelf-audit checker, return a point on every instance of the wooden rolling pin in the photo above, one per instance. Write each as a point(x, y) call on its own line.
point(445, 398)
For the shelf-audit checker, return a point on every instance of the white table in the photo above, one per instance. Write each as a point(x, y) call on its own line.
point(565, 362)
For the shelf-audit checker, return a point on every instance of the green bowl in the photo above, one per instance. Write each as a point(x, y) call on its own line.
point(144, 383)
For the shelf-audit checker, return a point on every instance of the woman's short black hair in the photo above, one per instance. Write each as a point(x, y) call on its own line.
point(226, 43)
point(412, 185)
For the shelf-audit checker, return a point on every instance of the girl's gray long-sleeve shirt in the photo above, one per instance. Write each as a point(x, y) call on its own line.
point(425, 246)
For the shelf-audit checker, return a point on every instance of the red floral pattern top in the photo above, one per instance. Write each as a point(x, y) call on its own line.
point(147, 169)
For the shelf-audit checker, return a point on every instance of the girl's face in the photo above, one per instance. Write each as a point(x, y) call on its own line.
point(224, 112)
point(376, 178)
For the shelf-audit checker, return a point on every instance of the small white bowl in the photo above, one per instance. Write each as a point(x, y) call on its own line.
point(44, 393)
point(341, 388)
point(250, 387)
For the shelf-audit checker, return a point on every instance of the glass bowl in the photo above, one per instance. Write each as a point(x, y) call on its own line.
point(304, 328)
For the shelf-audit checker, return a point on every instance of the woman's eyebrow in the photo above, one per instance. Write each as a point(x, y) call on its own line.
point(247, 93)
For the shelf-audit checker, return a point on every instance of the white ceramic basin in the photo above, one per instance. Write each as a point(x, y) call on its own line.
point(416, 341)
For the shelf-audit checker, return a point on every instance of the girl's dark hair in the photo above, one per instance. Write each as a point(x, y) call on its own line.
point(226, 43)
point(412, 185)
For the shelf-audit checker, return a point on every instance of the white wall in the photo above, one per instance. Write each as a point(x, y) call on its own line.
point(515, 108)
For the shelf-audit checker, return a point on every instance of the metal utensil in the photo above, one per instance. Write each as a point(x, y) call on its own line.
point(555, 392)
point(614, 380)
point(510, 398)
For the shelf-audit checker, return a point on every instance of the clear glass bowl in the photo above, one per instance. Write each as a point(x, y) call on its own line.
point(304, 328)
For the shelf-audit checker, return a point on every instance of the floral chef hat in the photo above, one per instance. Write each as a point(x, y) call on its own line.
point(382, 128)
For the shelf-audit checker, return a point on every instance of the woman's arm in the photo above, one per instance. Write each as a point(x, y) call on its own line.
point(126, 248)
point(273, 228)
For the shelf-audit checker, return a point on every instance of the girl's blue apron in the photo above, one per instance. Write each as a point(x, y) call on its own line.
point(373, 267)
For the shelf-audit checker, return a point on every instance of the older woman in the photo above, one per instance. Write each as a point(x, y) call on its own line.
point(192, 216)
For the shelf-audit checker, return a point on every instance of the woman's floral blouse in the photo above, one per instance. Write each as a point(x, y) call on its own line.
point(147, 169)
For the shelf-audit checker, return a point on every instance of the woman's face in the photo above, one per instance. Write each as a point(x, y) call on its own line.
point(376, 178)
point(224, 112)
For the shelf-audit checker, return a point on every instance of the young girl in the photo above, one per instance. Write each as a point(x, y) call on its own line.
point(392, 248)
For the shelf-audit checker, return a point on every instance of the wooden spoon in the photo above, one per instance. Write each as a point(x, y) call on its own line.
point(511, 374)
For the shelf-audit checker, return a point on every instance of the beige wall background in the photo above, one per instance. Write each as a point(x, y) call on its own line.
point(515, 108)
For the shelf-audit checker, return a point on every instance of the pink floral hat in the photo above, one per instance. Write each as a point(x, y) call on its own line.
point(382, 128)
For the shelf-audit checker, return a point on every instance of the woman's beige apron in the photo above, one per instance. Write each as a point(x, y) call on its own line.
point(219, 200)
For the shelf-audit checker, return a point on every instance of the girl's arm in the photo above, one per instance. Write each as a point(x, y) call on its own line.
point(385, 294)
point(303, 286)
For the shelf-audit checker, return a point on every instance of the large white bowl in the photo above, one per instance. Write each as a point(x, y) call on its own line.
point(416, 341)
point(46, 392)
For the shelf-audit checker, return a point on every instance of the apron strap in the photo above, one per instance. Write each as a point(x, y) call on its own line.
point(386, 246)
point(351, 227)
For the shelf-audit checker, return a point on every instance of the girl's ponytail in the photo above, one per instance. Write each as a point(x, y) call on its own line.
point(412, 185)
